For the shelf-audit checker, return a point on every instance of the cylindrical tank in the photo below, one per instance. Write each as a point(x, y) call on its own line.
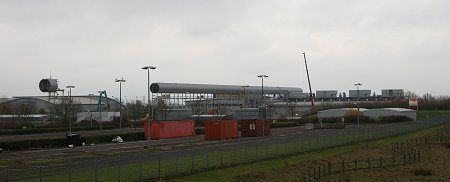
point(48, 85)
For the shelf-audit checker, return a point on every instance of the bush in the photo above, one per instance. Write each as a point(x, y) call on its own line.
point(199, 131)
point(423, 172)
point(49, 130)
point(447, 145)
point(393, 119)
point(61, 142)
point(284, 124)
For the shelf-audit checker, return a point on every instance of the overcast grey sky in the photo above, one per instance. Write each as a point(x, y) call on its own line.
point(381, 44)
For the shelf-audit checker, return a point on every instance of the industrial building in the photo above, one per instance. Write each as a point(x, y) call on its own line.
point(326, 94)
point(337, 113)
point(371, 113)
point(392, 93)
point(182, 100)
point(359, 93)
point(386, 112)
point(83, 104)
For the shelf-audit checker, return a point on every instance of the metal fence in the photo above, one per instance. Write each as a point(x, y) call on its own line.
point(162, 165)
point(404, 152)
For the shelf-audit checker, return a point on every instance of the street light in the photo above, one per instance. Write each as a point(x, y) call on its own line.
point(357, 97)
point(148, 68)
point(262, 95)
point(245, 98)
point(70, 87)
point(120, 100)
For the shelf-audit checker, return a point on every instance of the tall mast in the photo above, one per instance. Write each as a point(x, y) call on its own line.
point(309, 82)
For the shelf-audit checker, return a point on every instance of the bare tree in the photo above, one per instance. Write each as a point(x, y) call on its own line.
point(23, 112)
point(410, 94)
point(160, 109)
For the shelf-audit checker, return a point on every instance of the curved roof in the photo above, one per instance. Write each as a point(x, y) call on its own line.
point(207, 88)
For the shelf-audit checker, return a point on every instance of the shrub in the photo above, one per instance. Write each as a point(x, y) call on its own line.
point(199, 131)
point(284, 124)
point(423, 172)
point(447, 145)
point(61, 142)
point(394, 119)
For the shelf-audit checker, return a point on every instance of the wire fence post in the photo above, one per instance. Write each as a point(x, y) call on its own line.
point(276, 150)
point(140, 170)
point(70, 169)
point(329, 167)
point(319, 172)
point(381, 162)
point(418, 155)
point(40, 172)
point(393, 160)
point(118, 169)
point(207, 159)
point(257, 157)
point(176, 167)
point(159, 167)
point(221, 159)
point(96, 168)
point(234, 155)
point(193, 163)
point(6, 173)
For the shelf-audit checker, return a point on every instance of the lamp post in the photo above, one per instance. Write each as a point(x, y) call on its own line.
point(70, 106)
point(120, 100)
point(150, 113)
point(357, 97)
point(245, 98)
point(262, 95)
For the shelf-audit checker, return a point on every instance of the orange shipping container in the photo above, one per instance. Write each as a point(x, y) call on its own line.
point(255, 127)
point(221, 129)
point(170, 129)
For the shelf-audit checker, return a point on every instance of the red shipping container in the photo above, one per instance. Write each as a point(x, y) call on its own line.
point(220, 129)
point(255, 127)
point(170, 129)
point(267, 127)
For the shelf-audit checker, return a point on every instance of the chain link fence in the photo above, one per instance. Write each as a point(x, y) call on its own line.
point(163, 165)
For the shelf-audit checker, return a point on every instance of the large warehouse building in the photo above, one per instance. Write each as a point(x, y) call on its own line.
point(185, 100)
point(82, 104)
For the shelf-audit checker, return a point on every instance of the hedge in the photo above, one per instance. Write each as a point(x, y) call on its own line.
point(61, 142)
point(49, 130)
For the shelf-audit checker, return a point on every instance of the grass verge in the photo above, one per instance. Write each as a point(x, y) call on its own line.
point(229, 174)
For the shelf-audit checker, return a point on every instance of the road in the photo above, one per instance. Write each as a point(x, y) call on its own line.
point(167, 147)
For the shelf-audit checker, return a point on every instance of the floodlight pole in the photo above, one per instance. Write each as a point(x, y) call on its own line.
point(120, 100)
point(70, 105)
point(357, 97)
point(150, 110)
point(262, 95)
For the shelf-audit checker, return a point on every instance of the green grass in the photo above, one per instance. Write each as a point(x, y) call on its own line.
point(222, 160)
point(430, 114)
point(230, 173)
